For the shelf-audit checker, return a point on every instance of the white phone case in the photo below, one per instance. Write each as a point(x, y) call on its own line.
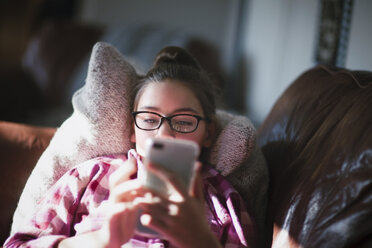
point(175, 155)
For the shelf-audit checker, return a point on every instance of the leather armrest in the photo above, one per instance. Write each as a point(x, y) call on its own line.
point(20, 148)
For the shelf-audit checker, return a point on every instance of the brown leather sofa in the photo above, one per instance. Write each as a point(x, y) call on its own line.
point(20, 148)
point(318, 143)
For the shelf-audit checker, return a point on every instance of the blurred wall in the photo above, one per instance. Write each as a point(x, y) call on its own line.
point(359, 55)
point(212, 20)
point(279, 44)
point(276, 38)
point(279, 41)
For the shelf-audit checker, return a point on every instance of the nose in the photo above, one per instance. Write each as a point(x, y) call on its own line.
point(165, 130)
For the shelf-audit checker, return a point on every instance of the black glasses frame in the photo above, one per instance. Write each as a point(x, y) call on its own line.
point(168, 119)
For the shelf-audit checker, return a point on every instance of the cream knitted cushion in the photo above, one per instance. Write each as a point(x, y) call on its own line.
point(98, 125)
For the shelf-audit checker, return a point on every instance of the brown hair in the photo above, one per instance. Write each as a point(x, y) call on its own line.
point(177, 64)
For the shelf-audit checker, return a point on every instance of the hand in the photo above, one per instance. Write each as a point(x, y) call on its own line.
point(180, 220)
point(122, 212)
point(124, 203)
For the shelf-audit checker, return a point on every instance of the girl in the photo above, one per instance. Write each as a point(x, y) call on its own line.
point(98, 203)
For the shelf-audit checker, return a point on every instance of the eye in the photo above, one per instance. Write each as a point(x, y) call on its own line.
point(184, 123)
point(150, 121)
point(147, 120)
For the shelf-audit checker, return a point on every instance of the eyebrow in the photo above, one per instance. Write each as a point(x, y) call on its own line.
point(175, 111)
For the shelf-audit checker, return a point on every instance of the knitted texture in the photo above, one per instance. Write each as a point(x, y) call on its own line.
point(237, 157)
point(235, 141)
point(98, 125)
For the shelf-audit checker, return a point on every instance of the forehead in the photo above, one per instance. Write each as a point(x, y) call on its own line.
point(168, 96)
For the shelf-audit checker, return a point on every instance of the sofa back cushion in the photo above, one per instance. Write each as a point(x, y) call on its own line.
point(20, 148)
point(318, 144)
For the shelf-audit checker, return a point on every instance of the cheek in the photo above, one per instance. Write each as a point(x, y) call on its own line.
point(139, 138)
point(200, 136)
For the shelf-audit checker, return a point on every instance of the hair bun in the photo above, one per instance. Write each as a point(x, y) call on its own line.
point(176, 55)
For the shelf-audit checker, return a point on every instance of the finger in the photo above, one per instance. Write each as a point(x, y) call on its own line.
point(154, 206)
point(119, 208)
point(127, 191)
point(123, 173)
point(159, 225)
point(169, 178)
point(157, 206)
point(147, 198)
point(154, 223)
point(196, 189)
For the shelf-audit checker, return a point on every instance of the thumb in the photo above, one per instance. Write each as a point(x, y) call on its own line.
point(123, 173)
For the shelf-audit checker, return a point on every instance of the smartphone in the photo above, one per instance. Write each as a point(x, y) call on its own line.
point(175, 155)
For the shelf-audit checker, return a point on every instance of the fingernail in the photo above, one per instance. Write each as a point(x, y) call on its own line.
point(145, 219)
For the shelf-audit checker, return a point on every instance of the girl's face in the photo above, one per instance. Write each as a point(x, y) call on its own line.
point(170, 98)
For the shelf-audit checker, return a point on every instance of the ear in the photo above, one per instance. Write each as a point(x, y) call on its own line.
point(209, 136)
point(133, 135)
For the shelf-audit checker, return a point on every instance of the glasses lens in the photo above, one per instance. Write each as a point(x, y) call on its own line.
point(184, 123)
point(148, 121)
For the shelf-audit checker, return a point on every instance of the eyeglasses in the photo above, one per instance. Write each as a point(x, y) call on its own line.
point(182, 123)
